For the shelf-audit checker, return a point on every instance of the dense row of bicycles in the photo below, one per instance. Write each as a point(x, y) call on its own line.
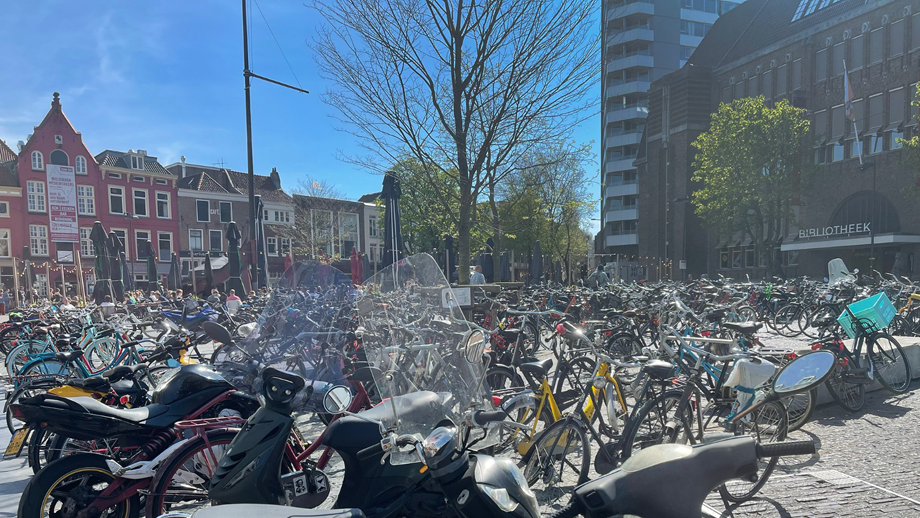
point(389, 399)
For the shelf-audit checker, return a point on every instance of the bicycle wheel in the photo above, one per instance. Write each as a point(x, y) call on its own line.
point(800, 407)
point(557, 463)
point(181, 483)
point(624, 346)
point(851, 396)
point(892, 369)
point(746, 314)
point(820, 313)
point(786, 319)
point(767, 425)
point(656, 422)
point(573, 376)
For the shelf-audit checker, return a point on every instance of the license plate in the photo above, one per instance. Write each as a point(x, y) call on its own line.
point(16, 443)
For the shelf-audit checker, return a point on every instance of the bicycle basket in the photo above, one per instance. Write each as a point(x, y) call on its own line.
point(867, 316)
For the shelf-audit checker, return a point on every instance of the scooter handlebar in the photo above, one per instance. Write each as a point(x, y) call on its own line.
point(782, 449)
point(370, 451)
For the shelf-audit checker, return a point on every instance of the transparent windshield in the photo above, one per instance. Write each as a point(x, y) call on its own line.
point(416, 340)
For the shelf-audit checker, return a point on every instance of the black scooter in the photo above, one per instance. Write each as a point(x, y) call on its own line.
point(476, 486)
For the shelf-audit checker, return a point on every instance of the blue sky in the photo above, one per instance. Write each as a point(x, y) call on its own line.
point(167, 77)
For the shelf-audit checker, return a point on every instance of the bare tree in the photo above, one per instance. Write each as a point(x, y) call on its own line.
point(309, 195)
point(450, 82)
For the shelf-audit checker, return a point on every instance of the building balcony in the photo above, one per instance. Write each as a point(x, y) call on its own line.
point(692, 15)
point(630, 9)
point(623, 189)
point(625, 114)
point(628, 87)
point(631, 35)
point(690, 41)
point(624, 139)
point(622, 240)
point(622, 215)
point(624, 62)
point(615, 166)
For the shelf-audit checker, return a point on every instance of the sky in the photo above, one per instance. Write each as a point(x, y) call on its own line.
point(166, 77)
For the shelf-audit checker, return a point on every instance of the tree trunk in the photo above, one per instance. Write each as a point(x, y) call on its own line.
point(463, 228)
point(496, 235)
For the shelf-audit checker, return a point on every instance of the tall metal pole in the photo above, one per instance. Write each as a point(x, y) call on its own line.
point(250, 170)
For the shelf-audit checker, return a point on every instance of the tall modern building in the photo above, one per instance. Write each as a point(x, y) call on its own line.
point(645, 40)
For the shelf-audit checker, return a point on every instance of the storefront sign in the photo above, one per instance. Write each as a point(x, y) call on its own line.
point(836, 230)
point(62, 204)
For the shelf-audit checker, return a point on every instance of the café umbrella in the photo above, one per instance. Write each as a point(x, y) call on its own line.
point(172, 280)
point(235, 282)
point(118, 271)
point(153, 278)
point(102, 264)
point(393, 246)
point(208, 276)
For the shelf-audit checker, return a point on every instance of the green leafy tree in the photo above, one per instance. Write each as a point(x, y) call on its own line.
point(912, 145)
point(749, 166)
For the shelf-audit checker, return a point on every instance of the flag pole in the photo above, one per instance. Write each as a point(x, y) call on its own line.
point(850, 113)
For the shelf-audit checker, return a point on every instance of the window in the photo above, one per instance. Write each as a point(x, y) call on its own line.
point(163, 205)
point(203, 209)
point(79, 165)
point(837, 152)
point(709, 6)
point(753, 90)
point(767, 89)
point(215, 240)
point(915, 31)
point(38, 239)
point(115, 176)
point(821, 154)
point(895, 108)
point(116, 200)
point(140, 243)
point(739, 89)
point(87, 249)
point(164, 240)
point(837, 57)
point(137, 162)
point(140, 202)
point(876, 47)
point(285, 244)
point(4, 209)
point(736, 258)
point(36, 196)
point(226, 212)
point(137, 179)
point(897, 38)
point(821, 65)
point(271, 245)
point(853, 148)
point(893, 137)
point(372, 224)
point(821, 126)
point(38, 163)
point(42, 280)
point(59, 157)
point(348, 232)
point(161, 182)
point(781, 80)
point(5, 242)
point(875, 143)
point(195, 239)
point(86, 202)
point(122, 236)
point(876, 113)
point(838, 125)
point(796, 74)
point(686, 52)
point(321, 230)
point(859, 112)
point(857, 49)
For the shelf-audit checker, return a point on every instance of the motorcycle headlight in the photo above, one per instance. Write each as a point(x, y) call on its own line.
point(500, 496)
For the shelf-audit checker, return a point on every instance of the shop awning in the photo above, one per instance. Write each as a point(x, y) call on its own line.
point(849, 242)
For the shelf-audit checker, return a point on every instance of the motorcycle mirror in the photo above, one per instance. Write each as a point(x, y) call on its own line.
point(217, 332)
point(475, 346)
point(337, 400)
point(804, 373)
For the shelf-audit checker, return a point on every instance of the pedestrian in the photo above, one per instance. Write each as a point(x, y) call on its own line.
point(598, 278)
point(5, 300)
point(215, 297)
point(233, 303)
point(478, 277)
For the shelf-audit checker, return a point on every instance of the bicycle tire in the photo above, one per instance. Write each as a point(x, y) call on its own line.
point(800, 408)
point(550, 484)
point(895, 380)
point(641, 425)
point(190, 456)
point(737, 491)
point(850, 396)
point(574, 375)
point(784, 319)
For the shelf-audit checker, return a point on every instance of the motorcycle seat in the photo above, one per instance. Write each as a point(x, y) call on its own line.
point(123, 371)
point(540, 368)
point(69, 356)
point(745, 328)
point(659, 369)
point(716, 314)
point(96, 383)
point(91, 406)
point(274, 511)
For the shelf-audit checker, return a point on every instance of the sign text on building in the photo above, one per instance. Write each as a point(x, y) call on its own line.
point(835, 230)
point(62, 204)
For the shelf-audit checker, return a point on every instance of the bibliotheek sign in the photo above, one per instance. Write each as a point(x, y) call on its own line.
point(836, 230)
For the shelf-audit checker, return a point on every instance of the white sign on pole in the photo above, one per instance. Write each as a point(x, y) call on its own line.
point(462, 296)
point(62, 204)
point(682, 265)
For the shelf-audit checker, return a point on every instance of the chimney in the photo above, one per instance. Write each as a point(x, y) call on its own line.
point(276, 178)
point(20, 145)
point(182, 173)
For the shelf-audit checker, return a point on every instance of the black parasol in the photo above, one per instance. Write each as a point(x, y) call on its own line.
point(393, 245)
point(102, 264)
point(234, 261)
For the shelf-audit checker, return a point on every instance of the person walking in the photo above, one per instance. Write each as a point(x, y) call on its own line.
point(598, 278)
point(478, 277)
point(233, 303)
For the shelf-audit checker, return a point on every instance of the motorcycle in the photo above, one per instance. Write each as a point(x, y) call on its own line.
point(87, 484)
point(431, 441)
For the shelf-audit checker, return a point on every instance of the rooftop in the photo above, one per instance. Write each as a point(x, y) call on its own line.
point(109, 158)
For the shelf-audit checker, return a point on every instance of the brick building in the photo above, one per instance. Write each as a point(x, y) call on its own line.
point(794, 49)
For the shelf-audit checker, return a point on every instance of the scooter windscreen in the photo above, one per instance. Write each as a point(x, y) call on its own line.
point(427, 364)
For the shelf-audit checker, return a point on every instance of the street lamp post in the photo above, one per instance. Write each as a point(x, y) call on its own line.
point(872, 214)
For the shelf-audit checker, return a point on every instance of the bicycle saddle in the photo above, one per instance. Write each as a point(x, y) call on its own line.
point(540, 368)
point(69, 356)
point(659, 369)
point(745, 328)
